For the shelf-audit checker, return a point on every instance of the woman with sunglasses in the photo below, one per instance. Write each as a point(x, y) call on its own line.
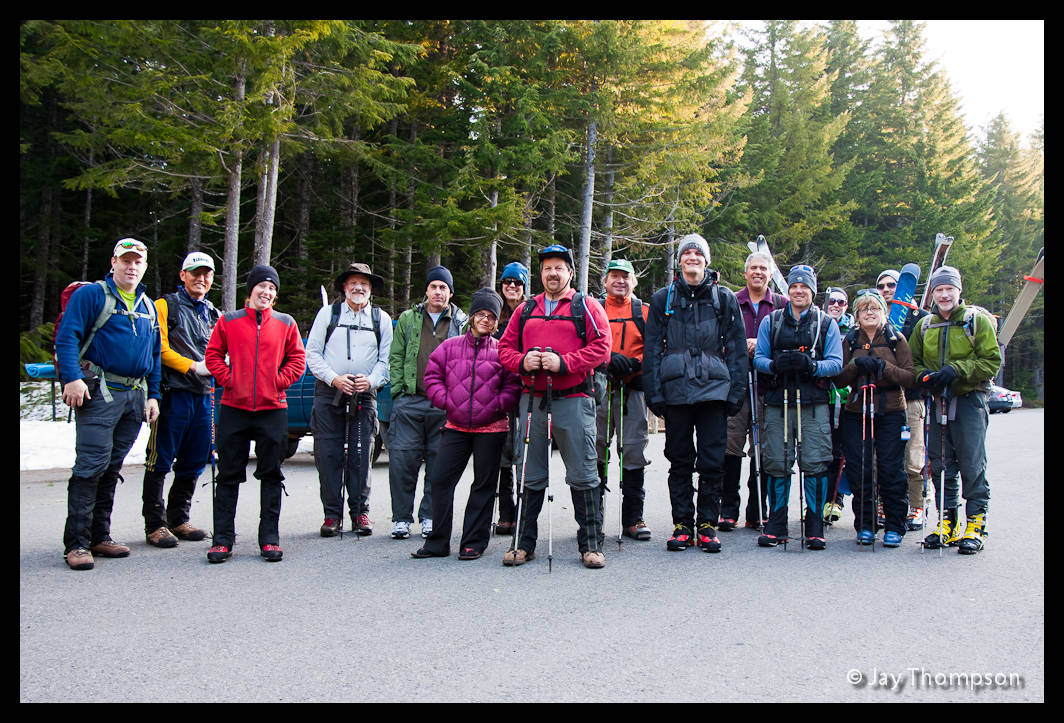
point(878, 366)
point(514, 283)
point(465, 378)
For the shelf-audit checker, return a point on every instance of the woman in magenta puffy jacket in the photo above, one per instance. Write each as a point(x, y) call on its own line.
point(465, 378)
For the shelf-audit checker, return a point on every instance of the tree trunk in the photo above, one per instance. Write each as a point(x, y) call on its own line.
point(232, 210)
point(607, 225)
point(491, 253)
point(267, 204)
point(87, 218)
point(195, 216)
point(584, 252)
point(44, 243)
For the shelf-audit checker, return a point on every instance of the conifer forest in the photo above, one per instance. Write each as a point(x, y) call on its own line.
point(312, 144)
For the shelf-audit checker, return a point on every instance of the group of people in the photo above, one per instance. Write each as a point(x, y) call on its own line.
point(751, 373)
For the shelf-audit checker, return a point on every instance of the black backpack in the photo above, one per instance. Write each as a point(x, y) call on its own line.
point(595, 384)
point(334, 321)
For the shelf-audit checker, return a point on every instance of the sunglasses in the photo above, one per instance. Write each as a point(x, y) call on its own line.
point(889, 285)
point(512, 282)
point(836, 302)
point(132, 245)
point(484, 316)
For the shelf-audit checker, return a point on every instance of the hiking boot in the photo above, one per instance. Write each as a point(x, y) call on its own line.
point(161, 537)
point(767, 540)
point(469, 553)
point(892, 539)
point(638, 531)
point(866, 537)
point(423, 552)
point(681, 539)
point(505, 528)
point(271, 553)
point(185, 531)
point(973, 535)
point(707, 538)
point(330, 527)
point(362, 525)
point(593, 559)
point(726, 525)
point(514, 559)
point(947, 534)
point(110, 548)
point(832, 512)
point(915, 520)
point(815, 543)
point(219, 553)
point(79, 559)
point(426, 528)
point(401, 530)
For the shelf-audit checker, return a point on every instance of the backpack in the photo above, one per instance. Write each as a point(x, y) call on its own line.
point(595, 384)
point(888, 331)
point(968, 323)
point(714, 294)
point(636, 318)
point(817, 350)
point(110, 308)
point(334, 321)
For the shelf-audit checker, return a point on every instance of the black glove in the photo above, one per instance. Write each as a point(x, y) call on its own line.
point(810, 365)
point(870, 366)
point(734, 408)
point(618, 366)
point(634, 365)
point(944, 377)
point(657, 409)
point(784, 362)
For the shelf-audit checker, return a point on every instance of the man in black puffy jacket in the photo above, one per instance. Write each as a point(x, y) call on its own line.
point(695, 369)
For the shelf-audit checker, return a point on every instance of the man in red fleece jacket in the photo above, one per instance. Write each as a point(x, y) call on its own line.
point(579, 341)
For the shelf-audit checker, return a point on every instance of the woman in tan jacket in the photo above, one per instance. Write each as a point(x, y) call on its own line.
point(878, 366)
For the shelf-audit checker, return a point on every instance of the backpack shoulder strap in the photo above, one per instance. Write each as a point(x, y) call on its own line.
point(637, 315)
point(375, 319)
point(110, 304)
point(334, 319)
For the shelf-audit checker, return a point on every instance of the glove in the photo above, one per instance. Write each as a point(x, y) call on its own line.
point(810, 365)
point(870, 366)
point(734, 408)
point(944, 377)
point(657, 409)
point(619, 366)
point(200, 368)
point(784, 362)
point(923, 379)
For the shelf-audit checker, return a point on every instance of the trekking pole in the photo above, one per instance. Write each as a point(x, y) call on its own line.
point(606, 463)
point(550, 496)
point(943, 417)
point(798, 458)
point(524, 462)
point(864, 426)
point(785, 448)
point(347, 442)
point(926, 471)
point(757, 447)
point(872, 441)
point(620, 468)
point(361, 459)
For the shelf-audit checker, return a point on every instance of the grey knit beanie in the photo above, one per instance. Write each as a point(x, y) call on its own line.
point(945, 275)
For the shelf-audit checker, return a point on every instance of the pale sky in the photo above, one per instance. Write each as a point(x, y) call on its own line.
point(992, 65)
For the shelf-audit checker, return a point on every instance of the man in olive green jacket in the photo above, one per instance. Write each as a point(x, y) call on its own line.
point(956, 354)
point(414, 429)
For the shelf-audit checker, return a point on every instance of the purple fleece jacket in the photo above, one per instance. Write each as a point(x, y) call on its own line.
point(465, 378)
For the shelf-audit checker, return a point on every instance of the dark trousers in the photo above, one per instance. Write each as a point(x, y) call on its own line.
point(451, 459)
point(181, 438)
point(709, 421)
point(237, 429)
point(887, 470)
point(330, 427)
point(106, 432)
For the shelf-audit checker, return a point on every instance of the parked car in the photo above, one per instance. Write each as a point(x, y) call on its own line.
point(1003, 400)
point(300, 398)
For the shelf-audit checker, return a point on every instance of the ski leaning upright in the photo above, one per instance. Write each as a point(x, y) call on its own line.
point(777, 278)
point(938, 258)
point(1034, 282)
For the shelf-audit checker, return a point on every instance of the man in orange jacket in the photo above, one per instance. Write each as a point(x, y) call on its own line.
point(627, 409)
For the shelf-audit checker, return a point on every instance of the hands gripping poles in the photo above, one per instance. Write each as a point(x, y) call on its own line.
point(524, 462)
point(550, 496)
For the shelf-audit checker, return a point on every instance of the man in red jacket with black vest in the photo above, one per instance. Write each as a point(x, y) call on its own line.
point(575, 329)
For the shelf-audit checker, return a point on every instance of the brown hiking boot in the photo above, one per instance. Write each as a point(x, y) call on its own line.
point(79, 559)
point(185, 531)
point(638, 531)
point(110, 548)
point(161, 538)
point(513, 559)
point(594, 559)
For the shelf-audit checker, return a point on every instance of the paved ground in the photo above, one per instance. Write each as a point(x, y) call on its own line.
point(359, 620)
